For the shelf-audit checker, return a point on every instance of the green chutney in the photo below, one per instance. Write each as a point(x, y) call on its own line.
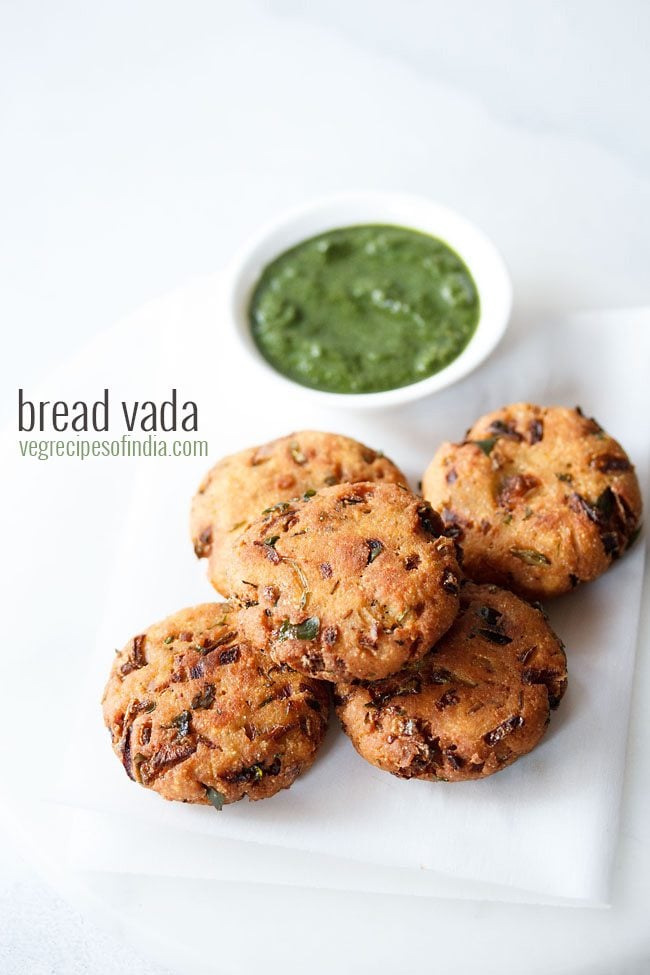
point(363, 309)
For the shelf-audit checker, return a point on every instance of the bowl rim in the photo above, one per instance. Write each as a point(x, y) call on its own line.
point(291, 226)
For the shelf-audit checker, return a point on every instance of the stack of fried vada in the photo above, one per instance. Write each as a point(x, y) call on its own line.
point(418, 612)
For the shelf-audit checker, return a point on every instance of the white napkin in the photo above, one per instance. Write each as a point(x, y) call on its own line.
point(95, 843)
point(547, 825)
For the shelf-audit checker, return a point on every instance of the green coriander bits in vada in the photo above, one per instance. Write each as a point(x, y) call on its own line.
point(476, 703)
point(540, 498)
point(354, 581)
point(239, 487)
point(199, 714)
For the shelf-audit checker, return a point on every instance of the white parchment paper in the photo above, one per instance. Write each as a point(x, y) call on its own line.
point(548, 825)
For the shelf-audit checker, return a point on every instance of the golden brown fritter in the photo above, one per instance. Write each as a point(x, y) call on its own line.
point(354, 581)
point(200, 715)
point(540, 498)
point(241, 486)
point(475, 704)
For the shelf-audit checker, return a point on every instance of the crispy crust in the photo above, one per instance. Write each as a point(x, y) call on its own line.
point(475, 704)
point(239, 487)
point(540, 499)
point(192, 707)
point(354, 581)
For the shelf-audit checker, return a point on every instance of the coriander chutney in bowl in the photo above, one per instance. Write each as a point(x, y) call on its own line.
point(367, 300)
point(364, 309)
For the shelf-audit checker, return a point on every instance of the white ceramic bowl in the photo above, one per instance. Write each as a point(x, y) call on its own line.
point(477, 251)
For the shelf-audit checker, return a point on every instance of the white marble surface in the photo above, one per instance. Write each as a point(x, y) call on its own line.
point(141, 141)
point(41, 934)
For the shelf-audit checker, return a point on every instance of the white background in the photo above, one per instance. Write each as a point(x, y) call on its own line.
point(141, 142)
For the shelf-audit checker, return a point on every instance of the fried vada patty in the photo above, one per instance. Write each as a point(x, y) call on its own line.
point(352, 582)
point(475, 704)
point(199, 715)
point(239, 487)
point(540, 498)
